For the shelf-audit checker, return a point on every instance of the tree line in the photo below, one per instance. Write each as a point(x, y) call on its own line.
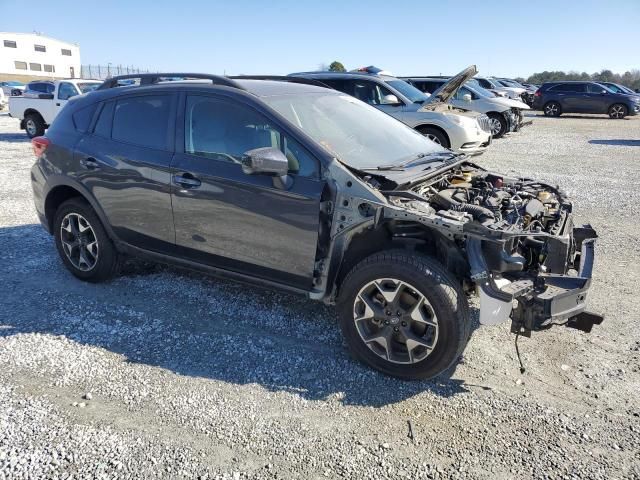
point(629, 79)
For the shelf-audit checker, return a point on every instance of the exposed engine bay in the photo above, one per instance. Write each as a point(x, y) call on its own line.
point(525, 217)
point(496, 201)
point(509, 239)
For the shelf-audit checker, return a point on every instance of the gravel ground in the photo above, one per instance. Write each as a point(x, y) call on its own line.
point(163, 373)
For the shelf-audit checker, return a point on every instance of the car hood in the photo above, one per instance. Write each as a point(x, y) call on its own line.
point(449, 89)
point(517, 90)
point(509, 103)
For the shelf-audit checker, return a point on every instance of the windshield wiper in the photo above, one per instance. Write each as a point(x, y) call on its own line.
point(419, 159)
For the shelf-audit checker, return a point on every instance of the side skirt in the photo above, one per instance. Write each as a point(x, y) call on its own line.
point(207, 269)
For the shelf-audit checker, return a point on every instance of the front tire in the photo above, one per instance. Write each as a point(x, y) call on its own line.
point(618, 111)
point(552, 109)
point(34, 125)
point(435, 136)
point(82, 242)
point(498, 124)
point(403, 314)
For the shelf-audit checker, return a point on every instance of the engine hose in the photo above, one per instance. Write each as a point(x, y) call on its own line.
point(476, 211)
point(444, 199)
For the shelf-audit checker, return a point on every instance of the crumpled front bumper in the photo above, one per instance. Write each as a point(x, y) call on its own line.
point(545, 300)
point(516, 120)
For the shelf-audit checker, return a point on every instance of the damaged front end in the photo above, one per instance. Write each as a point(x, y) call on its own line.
point(521, 252)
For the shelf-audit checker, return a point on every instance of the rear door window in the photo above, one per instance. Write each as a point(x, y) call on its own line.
point(569, 88)
point(337, 84)
point(143, 121)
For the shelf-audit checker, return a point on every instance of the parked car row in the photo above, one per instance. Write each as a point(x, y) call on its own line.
point(286, 183)
point(460, 130)
point(505, 114)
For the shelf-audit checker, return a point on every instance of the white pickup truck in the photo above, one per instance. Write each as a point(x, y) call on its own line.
point(42, 101)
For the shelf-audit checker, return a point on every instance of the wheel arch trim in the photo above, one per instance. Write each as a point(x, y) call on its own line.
point(57, 182)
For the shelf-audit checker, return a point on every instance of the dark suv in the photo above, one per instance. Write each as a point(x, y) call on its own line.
point(556, 98)
point(290, 185)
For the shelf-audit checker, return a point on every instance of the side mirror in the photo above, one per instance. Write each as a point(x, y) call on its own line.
point(265, 161)
point(390, 100)
point(466, 97)
point(604, 92)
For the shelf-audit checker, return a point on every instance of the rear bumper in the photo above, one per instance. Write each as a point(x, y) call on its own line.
point(542, 301)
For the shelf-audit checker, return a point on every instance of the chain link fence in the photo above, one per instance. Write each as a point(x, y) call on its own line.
point(102, 72)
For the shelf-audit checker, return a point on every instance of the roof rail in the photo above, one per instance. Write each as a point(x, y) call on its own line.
point(281, 78)
point(154, 78)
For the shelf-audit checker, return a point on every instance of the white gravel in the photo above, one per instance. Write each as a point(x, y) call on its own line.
point(163, 373)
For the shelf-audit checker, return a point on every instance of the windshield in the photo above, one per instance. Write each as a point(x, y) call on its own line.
point(510, 83)
point(88, 87)
point(357, 134)
point(409, 91)
point(474, 86)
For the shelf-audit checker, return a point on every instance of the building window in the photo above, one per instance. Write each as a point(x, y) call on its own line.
point(10, 44)
point(66, 52)
point(49, 68)
point(36, 67)
point(20, 65)
point(40, 48)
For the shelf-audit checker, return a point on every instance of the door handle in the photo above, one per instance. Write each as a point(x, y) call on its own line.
point(90, 163)
point(57, 104)
point(186, 180)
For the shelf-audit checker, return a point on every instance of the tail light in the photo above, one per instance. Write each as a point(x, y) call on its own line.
point(537, 94)
point(40, 145)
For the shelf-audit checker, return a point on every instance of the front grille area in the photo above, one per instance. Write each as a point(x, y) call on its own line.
point(484, 123)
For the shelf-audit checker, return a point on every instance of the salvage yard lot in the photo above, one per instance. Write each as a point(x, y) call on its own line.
point(193, 376)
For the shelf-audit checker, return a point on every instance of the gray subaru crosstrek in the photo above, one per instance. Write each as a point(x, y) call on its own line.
point(286, 184)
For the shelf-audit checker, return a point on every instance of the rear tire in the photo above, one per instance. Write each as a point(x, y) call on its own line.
point(498, 124)
point(435, 136)
point(82, 242)
point(34, 125)
point(412, 302)
point(618, 111)
point(552, 109)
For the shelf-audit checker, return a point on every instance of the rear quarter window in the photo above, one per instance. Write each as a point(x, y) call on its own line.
point(103, 125)
point(82, 117)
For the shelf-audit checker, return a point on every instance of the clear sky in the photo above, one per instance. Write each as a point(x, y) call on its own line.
point(510, 38)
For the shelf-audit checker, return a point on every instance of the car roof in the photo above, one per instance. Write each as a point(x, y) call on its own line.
point(267, 88)
point(571, 81)
point(431, 79)
point(256, 88)
point(368, 76)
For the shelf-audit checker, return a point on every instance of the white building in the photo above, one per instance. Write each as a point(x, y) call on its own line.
point(34, 55)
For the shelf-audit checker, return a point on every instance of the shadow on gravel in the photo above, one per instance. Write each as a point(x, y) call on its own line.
point(14, 137)
point(195, 326)
point(622, 143)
